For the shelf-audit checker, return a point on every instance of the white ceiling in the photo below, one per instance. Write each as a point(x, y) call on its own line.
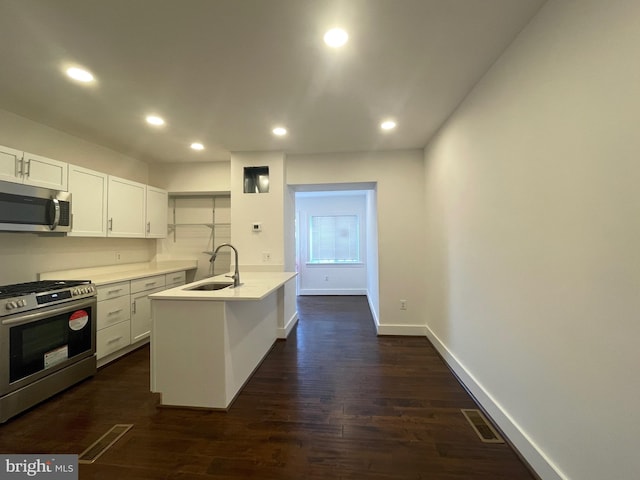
point(225, 72)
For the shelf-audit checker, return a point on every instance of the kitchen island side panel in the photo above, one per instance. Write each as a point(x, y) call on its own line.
point(251, 330)
point(188, 353)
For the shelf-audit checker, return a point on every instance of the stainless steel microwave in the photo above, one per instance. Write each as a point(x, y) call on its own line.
point(24, 208)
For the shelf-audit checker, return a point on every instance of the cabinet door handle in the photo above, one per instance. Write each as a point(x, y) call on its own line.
point(20, 167)
point(28, 169)
point(148, 227)
point(133, 307)
point(114, 340)
point(111, 223)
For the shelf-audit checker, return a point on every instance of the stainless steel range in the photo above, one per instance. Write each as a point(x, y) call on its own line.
point(47, 340)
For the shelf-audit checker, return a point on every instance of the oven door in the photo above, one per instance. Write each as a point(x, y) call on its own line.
point(37, 344)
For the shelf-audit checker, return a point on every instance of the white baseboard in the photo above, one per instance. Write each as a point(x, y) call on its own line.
point(374, 314)
point(407, 330)
point(529, 451)
point(332, 291)
point(283, 333)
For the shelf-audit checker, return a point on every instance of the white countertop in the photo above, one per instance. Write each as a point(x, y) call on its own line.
point(255, 286)
point(120, 273)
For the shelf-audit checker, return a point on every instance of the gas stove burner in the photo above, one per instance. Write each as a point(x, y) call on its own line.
point(26, 288)
point(22, 297)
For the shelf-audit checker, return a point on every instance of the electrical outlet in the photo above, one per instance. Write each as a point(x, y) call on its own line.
point(266, 257)
point(118, 257)
point(403, 304)
point(326, 278)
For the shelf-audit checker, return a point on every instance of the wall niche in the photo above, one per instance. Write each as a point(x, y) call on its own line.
point(256, 179)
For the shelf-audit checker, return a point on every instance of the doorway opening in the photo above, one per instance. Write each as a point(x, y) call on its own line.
point(336, 240)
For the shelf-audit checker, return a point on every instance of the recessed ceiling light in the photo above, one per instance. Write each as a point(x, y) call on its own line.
point(388, 125)
point(155, 120)
point(197, 146)
point(279, 131)
point(79, 74)
point(336, 37)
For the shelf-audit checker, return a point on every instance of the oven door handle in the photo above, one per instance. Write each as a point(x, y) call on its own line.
point(56, 213)
point(40, 314)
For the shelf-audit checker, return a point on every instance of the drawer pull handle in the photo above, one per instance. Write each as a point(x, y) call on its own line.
point(114, 340)
point(115, 290)
point(149, 284)
point(113, 312)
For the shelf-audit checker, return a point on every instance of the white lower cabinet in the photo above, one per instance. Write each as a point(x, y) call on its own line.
point(124, 312)
point(114, 318)
point(113, 311)
point(141, 304)
point(113, 338)
point(175, 279)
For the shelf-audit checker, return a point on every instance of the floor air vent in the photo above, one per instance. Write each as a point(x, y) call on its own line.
point(101, 445)
point(481, 425)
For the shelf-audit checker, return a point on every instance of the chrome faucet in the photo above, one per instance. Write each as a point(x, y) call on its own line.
point(236, 274)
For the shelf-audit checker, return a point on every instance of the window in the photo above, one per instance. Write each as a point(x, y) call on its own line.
point(334, 239)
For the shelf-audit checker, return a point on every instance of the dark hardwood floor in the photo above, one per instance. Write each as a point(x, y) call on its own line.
point(334, 401)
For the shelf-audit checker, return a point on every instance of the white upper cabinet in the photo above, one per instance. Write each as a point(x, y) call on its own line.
point(157, 205)
point(44, 172)
point(23, 167)
point(10, 163)
point(88, 202)
point(126, 208)
point(107, 206)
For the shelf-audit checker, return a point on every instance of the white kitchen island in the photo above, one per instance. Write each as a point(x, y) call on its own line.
point(206, 344)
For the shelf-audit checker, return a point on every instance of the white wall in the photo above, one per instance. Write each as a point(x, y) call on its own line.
point(331, 279)
point(198, 223)
point(265, 208)
point(24, 134)
point(24, 255)
point(533, 233)
point(192, 177)
point(399, 176)
point(373, 294)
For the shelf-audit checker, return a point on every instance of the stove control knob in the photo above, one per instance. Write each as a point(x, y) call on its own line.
point(22, 303)
point(11, 305)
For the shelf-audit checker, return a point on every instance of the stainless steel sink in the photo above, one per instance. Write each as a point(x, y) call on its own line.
point(212, 286)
